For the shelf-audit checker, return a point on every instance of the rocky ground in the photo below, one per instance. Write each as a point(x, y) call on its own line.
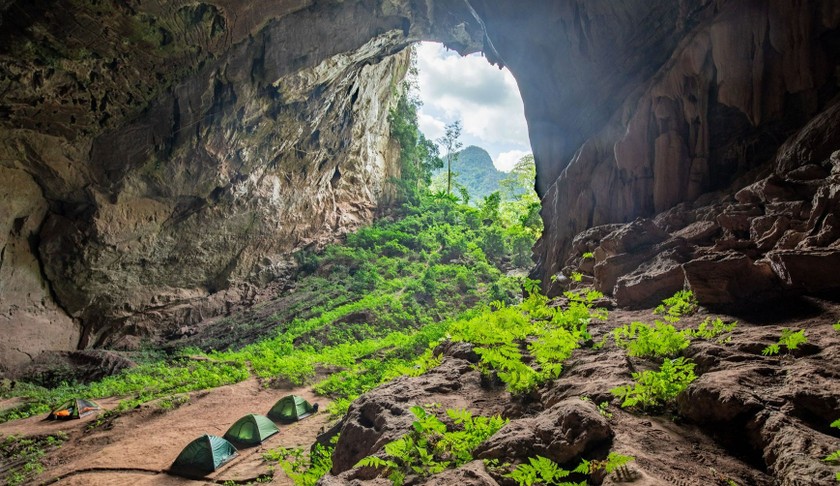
point(748, 419)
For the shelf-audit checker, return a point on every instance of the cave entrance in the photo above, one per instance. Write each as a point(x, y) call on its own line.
point(485, 100)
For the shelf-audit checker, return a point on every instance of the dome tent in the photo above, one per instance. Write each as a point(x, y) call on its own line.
point(251, 430)
point(291, 408)
point(203, 456)
point(74, 408)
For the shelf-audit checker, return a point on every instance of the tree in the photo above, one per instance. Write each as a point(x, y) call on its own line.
point(520, 179)
point(418, 155)
point(450, 142)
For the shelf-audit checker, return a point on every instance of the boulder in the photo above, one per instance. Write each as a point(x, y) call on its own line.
point(729, 278)
point(470, 474)
point(561, 433)
point(807, 270)
point(651, 282)
point(383, 414)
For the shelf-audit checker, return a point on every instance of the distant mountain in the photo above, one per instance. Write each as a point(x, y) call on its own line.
point(474, 170)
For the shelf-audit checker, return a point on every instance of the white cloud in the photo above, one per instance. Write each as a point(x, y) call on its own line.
point(469, 89)
point(430, 126)
point(506, 160)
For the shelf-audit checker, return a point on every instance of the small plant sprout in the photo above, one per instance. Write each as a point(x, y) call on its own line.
point(680, 304)
point(604, 409)
point(576, 276)
point(614, 463)
point(790, 339)
point(836, 326)
point(588, 255)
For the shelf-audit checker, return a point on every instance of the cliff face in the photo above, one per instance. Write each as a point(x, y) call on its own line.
point(161, 165)
point(720, 87)
point(162, 161)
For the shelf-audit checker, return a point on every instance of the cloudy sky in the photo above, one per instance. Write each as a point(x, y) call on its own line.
point(484, 98)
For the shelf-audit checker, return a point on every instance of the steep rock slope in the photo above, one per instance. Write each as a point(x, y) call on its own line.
point(159, 161)
point(636, 134)
point(747, 418)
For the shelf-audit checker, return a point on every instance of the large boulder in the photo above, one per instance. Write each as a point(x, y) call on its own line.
point(561, 433)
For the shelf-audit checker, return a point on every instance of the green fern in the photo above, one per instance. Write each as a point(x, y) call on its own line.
point(642, 340)
point(656, 388)
point(431, 447)
point(834, 457)
point(710, 329)
point(790, 339)
point(541, 470)
point(680, 304)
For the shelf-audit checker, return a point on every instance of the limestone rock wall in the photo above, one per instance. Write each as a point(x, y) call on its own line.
point(162, 162)
point(736, 80)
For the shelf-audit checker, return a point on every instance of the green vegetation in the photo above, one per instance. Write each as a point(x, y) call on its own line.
point(472, 171)
point(431, 447)
point(710, 329)
point(836, 326)
point(139, 385)
point(419, 156)
point(664, 340)
point(680, 304)
point(656, 388)
point(449, 141)
point(834, 457)
point(657, 341)
point(790, 339)
point(302, 468)
point(543, 471)
point(548, 334)
point(24, 454)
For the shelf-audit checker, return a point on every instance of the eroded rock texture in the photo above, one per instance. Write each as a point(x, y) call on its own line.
point(162, 162)
point(742, 78)
point(747, 418)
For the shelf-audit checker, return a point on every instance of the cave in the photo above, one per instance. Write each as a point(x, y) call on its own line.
point(167, 162)
point(139, 138)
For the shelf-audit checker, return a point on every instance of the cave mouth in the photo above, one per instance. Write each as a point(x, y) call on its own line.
point(485, 99)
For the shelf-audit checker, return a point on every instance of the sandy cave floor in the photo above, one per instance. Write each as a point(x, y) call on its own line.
point(149, 438)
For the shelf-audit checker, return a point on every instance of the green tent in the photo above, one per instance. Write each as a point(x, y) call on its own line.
point(203, 456)
point(74, 408)
point(251, 430)
point(290, 409)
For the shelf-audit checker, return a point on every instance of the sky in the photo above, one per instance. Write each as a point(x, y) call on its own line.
point(485, 99)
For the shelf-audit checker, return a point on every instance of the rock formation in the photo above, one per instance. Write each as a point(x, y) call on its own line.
point(164, 160)
point(712, 119)
point(748, 418)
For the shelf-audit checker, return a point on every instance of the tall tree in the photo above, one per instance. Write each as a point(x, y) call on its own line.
point(450, 141)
